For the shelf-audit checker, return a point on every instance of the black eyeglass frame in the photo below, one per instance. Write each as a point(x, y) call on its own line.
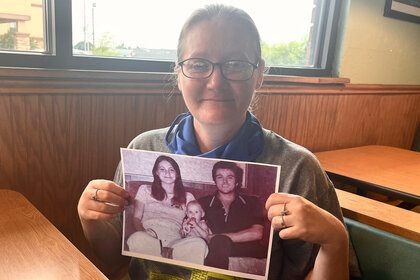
point(220, 64)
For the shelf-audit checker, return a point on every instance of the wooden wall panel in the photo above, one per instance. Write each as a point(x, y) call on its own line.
point(7, 160)
point(326, 122)
point(57, 134)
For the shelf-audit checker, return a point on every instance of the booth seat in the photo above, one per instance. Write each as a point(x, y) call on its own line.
point(383, 255)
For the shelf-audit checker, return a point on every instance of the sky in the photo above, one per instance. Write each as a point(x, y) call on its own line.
point(156, 24)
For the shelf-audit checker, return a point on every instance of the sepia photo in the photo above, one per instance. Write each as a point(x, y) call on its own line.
point(184, 210)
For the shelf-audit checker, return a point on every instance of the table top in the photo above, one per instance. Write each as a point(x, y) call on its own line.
point(31, 247)
point(390, 167)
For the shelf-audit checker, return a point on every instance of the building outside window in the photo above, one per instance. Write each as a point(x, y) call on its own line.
point(22, 25)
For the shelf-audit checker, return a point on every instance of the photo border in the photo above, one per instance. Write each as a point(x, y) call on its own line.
point(188, 264)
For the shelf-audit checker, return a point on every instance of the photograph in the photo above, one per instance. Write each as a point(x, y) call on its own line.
point(198, 212)
point(408, 10)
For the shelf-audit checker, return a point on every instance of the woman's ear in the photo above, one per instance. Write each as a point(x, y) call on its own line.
point(261, 68)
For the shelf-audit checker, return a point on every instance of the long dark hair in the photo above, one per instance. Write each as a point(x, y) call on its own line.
point(158, 192)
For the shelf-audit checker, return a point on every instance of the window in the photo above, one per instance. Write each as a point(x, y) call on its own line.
point(12, 27)
point(22, 25)
point(297, 36)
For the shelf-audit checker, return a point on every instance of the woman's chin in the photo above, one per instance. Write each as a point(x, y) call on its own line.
point(218, 118)
point(168, 181)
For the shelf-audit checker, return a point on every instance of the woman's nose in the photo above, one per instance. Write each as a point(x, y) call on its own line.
point(216, 78)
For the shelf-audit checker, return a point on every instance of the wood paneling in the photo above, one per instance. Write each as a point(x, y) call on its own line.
point(326, 122)
point(7, 161)
point(61, 129)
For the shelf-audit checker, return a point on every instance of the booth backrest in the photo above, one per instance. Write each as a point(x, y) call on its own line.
point(383, 255)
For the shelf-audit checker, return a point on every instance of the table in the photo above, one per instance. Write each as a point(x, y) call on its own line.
point(387, 170)
point(32, 248)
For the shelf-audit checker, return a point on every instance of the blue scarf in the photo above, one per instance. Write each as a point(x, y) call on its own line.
point(247, 145)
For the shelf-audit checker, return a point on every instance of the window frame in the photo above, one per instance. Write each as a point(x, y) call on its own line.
point(59, 48)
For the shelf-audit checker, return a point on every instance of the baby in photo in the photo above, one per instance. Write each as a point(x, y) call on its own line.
point(194, 225)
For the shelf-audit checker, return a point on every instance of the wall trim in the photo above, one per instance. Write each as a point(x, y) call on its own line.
point(53, 81)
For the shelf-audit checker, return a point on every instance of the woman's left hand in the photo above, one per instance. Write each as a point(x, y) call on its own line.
point(296, 217)
point(304, 220)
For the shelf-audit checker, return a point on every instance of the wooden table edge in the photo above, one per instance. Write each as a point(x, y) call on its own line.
point(26, 203)
point(395, 220)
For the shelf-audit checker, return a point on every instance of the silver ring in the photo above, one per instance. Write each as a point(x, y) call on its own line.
point(95, 195)
point(284, 211)
point(283, 224)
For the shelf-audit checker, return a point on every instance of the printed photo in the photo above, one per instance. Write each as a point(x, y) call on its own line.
point(203, 213)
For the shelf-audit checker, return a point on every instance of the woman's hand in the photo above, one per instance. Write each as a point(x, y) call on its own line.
point(304, 220)
point(110, 200)
point(296, 217)
point(94, 214)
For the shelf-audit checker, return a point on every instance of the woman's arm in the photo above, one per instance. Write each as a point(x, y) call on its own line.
point(138, 215)
point(185, 228)
point(104, 239)
point(332, 259)
point(96, 218)
point(308, 222)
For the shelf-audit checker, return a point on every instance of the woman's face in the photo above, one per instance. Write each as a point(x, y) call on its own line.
point(215, 100)
point(166, 172)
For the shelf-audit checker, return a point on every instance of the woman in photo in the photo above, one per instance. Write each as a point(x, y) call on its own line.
point(159, 211)
point(219, 67)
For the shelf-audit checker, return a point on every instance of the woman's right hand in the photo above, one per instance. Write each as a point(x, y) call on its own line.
point(95, 214)
point(110, 200)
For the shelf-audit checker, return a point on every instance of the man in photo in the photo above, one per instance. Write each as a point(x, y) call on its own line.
point(236, 220)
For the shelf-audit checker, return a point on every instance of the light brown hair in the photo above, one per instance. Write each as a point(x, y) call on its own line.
point(223, 12)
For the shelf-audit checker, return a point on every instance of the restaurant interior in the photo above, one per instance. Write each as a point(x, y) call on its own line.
point(63, 122)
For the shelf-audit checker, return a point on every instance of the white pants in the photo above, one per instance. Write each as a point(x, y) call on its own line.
point(190, 249)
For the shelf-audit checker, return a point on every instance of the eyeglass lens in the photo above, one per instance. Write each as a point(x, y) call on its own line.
point(232, 70)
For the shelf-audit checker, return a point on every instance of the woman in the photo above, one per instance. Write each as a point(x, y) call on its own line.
point(158, 214)
point(219, 68)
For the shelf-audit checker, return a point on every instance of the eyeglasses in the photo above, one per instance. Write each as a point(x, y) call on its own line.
point(233, 70)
